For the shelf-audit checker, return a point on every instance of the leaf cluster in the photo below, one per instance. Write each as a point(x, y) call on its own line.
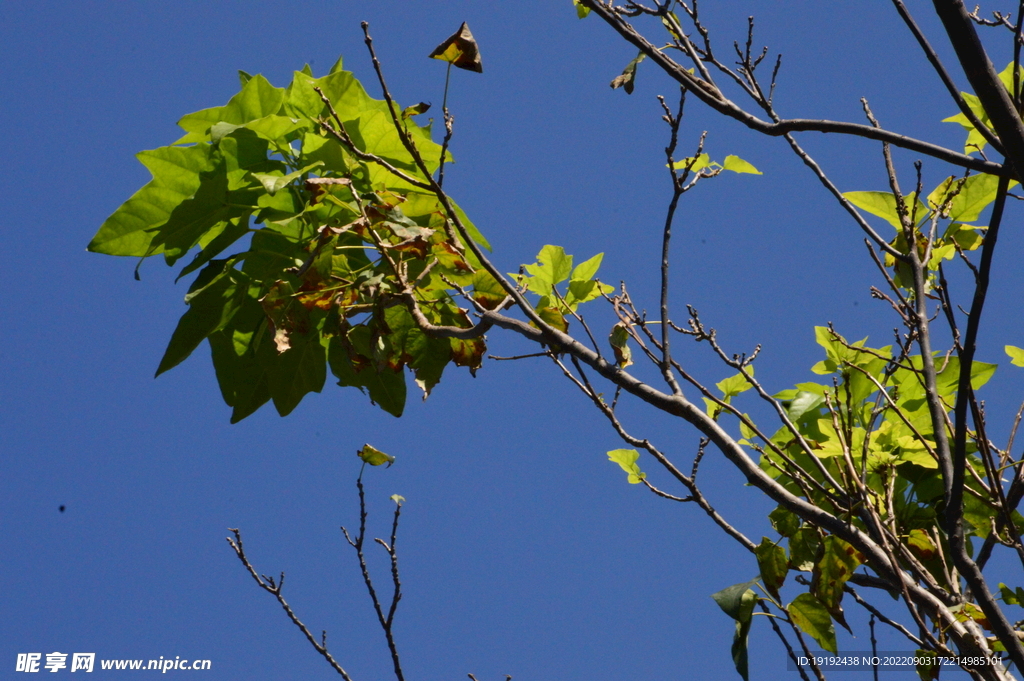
point(307, 253)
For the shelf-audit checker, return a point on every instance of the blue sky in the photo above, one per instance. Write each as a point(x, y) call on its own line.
point(523, 549)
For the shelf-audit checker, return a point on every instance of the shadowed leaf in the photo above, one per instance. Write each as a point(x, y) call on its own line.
point(627, 80)
point(460, 50)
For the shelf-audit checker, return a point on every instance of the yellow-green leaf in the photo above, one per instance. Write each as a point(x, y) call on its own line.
point(883, 204)
point(813, 619)
point(626, 458)
point(699, 163)
point(734, 385)
point(1016, 355)
point(374, 456)
point(738, 165)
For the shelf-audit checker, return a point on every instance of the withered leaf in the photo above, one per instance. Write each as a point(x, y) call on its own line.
point(415, 109)
point(316, 186)
point(460, 50)
point(628, 78)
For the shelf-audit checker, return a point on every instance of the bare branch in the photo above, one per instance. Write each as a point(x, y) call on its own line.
point(274, 588)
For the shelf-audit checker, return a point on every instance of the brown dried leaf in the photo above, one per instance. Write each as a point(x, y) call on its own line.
point(460, 50)
point(317, 186)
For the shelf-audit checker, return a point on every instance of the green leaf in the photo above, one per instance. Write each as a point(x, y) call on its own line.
point(771, 561)
point(130, 230)
point(277, 129)
point(626, 458)
point(738, 165)
point(883, 204)
point(784, 521)
point(837, 564)
point(398, 499)
point(581, 292)
point(1016, 355)
point(386, 388)
point(581, 10)
point(803, 549)
point(814, 620)
point(243, 381)
point(702, 161)
point(974, 195)
point(221, 195)
point(553, 316)
point(669, 26)
point(209, 310)
point(427, 356)
point(208, 209)
point(474, 233)
point(735, 600)
point(487, 290)
point(275, 183)
point(734, 385)
point(232, 232)
point(258, 98)
point(927, 664)
point(552, 267)
point(979, 514)
point(627, 80)
point(299, 370)
point(804, 403)
point(738, 602)
point(587, 269)
point(375, 457)
point(1011, 597)
point(327, 151)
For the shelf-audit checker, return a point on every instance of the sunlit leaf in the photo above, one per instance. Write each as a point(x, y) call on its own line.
point(814, 620)
point(738, 165)
point(587, 269)
point(627, 458)
point(375, 457)
point(734, 385)
point(693, 163)
point(552, 267)
point(130, 230)
point(883, 204)
point(1016, 355)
